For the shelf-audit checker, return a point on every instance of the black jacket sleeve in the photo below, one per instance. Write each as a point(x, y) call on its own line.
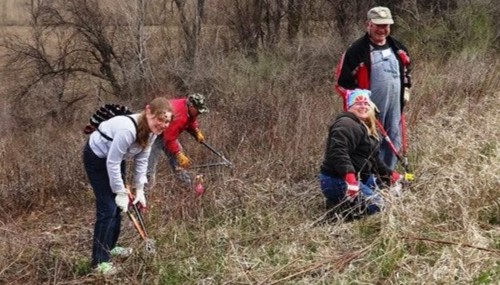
point(343, 138)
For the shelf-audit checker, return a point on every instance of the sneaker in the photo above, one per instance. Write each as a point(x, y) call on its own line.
point(122, 252)
point(106, 269)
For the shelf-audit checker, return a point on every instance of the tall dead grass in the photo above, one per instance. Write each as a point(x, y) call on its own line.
point(258, 225)
point(261, 223)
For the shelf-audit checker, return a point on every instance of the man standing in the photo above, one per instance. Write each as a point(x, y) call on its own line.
point(185, 114)
point(380, 63)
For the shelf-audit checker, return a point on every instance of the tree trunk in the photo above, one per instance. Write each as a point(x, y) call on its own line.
point(294, 17)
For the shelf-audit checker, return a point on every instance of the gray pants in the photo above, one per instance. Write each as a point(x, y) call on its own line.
point(157, 148)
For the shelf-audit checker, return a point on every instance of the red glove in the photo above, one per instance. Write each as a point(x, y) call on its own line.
point(405, 59)
point(395, 177)
point(352, 186)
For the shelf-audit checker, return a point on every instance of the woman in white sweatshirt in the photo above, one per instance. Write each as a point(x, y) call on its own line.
point(114, 141)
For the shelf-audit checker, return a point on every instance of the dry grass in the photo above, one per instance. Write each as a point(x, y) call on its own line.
point(262, 224)
point(258, 226)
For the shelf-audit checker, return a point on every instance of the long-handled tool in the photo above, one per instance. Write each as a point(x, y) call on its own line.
point(198, 180)
point(408, 176)
point(136, 217)
point(205, 165)
point(226, 161)
point(404, 150)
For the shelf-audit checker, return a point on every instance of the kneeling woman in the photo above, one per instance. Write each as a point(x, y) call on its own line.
point(351, 162)
point(114, 141)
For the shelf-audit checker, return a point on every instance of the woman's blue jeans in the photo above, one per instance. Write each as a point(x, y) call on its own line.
point(334, 190)
point(108, 219)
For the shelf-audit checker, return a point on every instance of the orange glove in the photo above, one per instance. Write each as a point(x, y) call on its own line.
point(198, 135)
point(182, 160)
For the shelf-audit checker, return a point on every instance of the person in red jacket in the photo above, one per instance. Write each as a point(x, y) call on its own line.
point(186, 111)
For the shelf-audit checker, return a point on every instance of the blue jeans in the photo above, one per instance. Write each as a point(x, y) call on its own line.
point(334, 190)
point(108, 218)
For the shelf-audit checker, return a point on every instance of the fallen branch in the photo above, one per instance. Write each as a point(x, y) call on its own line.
point(338, 262)
point(453, 243)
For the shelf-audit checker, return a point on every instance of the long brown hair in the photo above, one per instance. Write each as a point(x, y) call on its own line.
point(159, 106)
point(371, 123)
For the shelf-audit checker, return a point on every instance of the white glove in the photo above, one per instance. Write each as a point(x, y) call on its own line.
point(406, 96)
point(139, 197)
point(122, 201)
point(396, 189)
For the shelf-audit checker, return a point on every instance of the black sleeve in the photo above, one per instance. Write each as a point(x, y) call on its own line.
point(346, 78)
point(343, 139)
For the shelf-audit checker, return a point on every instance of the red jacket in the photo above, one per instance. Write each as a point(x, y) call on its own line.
point(181, 122)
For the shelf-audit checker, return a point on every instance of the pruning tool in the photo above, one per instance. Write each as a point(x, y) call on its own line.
point(134, 213)
point(205, 165)
point(225, 162)
point(408, 176)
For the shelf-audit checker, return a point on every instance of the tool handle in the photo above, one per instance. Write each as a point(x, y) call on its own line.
point(137, 226)
point(217, 153)
point(137, 220)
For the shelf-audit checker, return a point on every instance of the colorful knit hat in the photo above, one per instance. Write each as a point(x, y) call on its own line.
point(358, 95)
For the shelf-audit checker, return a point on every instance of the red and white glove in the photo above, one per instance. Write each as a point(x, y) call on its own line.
point(352, 187)
point(395, 177)
point(396, 187)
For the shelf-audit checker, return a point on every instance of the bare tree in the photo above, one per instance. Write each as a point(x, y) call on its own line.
point(74, 42)
point(245, 21)
point(191, 20)
point(294, 17)
point(274, 11)
point(85, 45)
point(140, 46)
point(349, 14)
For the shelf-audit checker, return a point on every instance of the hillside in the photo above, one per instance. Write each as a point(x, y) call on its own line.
point(444, 229)
point(270, 108)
